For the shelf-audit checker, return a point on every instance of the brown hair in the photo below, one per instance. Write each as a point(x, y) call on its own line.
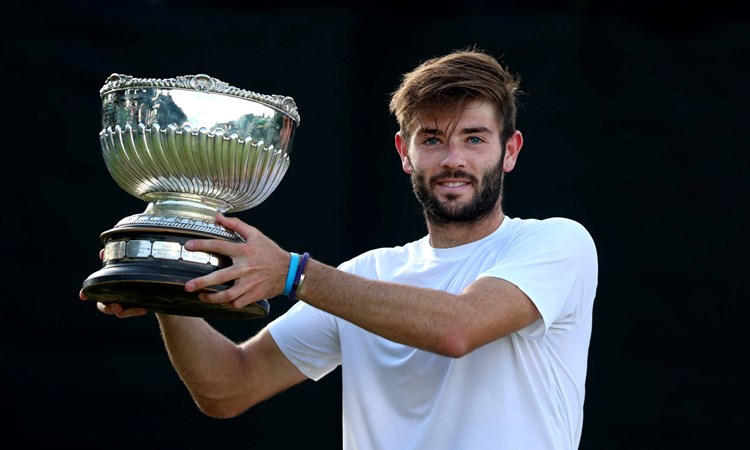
point(454, 81)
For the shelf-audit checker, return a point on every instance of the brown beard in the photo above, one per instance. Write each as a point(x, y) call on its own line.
point(478, 208)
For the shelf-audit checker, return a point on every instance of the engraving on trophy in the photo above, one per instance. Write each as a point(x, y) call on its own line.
point(138, 249)
point(188, 146)
point(115, 250)
point(198, 257)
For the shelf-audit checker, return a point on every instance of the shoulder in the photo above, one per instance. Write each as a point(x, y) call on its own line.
point(371, 259)
point(555, 234)
point(553, 227)
point(560, 224)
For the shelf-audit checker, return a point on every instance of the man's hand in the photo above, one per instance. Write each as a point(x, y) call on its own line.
point(259, 266)
point(115, 309)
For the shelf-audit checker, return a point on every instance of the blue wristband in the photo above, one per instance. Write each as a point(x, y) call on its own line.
point(293, 262)
point(300, 276)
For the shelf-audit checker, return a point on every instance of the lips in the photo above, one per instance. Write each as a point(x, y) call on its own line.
point(453, 183)
point(452, 178)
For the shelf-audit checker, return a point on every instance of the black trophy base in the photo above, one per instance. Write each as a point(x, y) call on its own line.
point(159, 286)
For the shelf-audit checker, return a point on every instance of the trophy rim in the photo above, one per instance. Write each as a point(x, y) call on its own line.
point(202, 83)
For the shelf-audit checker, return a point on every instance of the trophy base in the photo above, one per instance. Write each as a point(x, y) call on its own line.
point(145, 270)
point(162, 293)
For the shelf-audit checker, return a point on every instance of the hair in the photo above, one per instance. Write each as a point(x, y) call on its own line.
point(454, 81)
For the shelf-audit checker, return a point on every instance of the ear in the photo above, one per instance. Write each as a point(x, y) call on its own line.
point(403, 152)
point(512, 149)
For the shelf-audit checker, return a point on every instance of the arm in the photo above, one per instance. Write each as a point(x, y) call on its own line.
point(429, 319)
point(433, 320)
point(224, 378)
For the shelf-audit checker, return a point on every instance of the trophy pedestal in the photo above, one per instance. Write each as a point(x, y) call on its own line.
point(146, 269)
point(168, 297)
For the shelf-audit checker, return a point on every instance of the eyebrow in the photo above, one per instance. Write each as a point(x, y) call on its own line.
point(468, 130)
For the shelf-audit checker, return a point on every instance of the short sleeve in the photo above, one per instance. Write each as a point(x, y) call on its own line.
point(554, 263)
point(309, 338)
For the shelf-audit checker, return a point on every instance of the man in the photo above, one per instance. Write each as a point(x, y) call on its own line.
point(473, 337)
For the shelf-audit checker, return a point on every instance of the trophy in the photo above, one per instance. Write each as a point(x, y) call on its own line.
point(189, 146)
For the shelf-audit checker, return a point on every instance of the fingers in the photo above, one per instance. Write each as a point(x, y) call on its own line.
point(238, 295)
point(211, 246)
point(224, 247)
point(235, 225)
point(229, 297)
point(116, 309)
point(216, 278)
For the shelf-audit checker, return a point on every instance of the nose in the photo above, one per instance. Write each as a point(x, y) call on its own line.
point(454, 156)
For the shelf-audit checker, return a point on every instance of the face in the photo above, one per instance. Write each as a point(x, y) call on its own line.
point(457, 164)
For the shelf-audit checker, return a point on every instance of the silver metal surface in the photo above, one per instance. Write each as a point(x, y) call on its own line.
point(193, 145)
point(144, 249)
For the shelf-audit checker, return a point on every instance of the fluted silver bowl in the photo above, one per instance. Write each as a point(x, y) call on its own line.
point(193, 145)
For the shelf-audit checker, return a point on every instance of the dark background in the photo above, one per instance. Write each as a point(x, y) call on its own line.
point(635, 119)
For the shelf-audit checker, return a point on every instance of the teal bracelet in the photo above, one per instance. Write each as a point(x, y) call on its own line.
point(300, 276)
point(291, 274)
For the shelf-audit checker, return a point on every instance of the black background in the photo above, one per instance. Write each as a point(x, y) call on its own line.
point(634, 120)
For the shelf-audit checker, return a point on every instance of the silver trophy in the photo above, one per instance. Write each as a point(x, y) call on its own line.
point(189, 146)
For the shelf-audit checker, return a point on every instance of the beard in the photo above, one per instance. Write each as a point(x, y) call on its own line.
point(447, 213)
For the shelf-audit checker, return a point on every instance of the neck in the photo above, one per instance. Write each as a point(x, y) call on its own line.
point(453, 235)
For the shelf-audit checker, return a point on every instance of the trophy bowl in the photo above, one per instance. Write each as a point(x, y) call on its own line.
point(189, 146)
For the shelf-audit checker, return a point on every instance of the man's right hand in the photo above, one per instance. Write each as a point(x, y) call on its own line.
point(116, 309)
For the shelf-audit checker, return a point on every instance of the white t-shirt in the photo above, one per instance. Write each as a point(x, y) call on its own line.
point(521, 392)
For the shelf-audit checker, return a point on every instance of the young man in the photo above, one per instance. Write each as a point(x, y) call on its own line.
point(474, 337)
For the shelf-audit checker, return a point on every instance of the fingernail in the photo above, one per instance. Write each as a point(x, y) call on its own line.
point(190, 286)
point(189, 245)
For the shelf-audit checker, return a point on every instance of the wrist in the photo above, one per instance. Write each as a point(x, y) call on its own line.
point(295, 274)
point(294, 259)
point(299, 276)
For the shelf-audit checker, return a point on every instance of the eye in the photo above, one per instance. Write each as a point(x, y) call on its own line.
point(475, 140)
point(431, 141)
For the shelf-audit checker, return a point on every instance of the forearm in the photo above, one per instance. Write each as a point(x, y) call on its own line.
point(205, 360)
point(424, 318)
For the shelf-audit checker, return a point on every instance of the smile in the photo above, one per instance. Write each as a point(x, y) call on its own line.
point(453, 183)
